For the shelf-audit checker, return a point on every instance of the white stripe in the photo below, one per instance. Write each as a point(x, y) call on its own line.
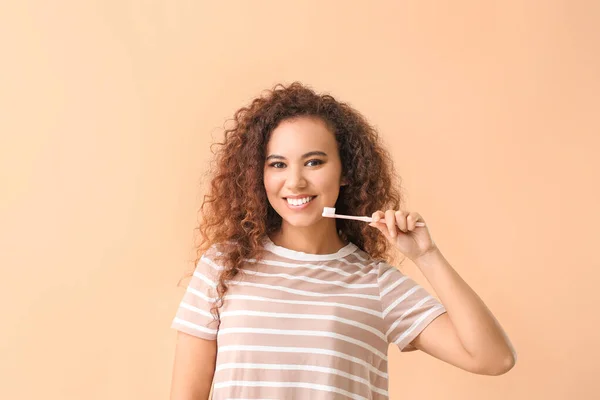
point(201, 295)
point(308, 266)
point(304, 265)
point(368, 328)
point(306, 302)
point(393, 285)
point(205, 279)
point(305, 385)
point(311, 266)
point(195, 309)
point(194, 326)
point(305, 293)
point(210, 263)
point(254, 261)
point(407, 312)
point(361, 258)
point(298, 332)
point(304, 350)
point(417, 323)
point(269, 246)
point(294, 367)
point(400, 300)
point(359, 265)
point(386, 273)
point(318, 281)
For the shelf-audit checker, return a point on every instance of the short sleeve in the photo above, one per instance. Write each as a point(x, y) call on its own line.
point(194, 313)
point(407, 308)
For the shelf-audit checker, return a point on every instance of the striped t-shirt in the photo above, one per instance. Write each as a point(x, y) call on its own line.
point(306, 326)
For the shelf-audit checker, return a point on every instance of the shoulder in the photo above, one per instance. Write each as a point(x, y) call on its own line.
point(218, 251)
point(215, 259)
point(384, 269)
point(212, 258)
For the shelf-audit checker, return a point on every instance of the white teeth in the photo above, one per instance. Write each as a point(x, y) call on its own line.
point(297, 202)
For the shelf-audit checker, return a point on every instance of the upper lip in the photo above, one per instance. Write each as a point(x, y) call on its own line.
point(299, 196)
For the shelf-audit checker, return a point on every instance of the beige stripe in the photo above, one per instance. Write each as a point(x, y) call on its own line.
point(304, 350)
point(195, 309)
point(317, 281)
point(393, 285)
point(306, 302)
point(227, 331)
point(284, 264)
point(306, 293)
point(417, 322)
point(368, 328)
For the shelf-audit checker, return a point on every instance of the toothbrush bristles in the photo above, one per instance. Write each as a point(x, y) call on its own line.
point(328, 211)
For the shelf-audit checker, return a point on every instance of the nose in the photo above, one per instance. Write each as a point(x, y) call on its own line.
point(295, 178)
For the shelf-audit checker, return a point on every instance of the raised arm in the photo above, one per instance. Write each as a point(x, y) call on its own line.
point(468, 335)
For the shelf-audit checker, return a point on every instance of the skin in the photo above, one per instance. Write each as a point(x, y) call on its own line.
point(303, 158)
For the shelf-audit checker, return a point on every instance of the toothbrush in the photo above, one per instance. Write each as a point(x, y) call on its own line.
point(330, 212)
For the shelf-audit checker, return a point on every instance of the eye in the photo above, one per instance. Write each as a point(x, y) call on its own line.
point(315, 161)
point(275, 164)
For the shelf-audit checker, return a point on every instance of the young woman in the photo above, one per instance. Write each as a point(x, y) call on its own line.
point(285, 303)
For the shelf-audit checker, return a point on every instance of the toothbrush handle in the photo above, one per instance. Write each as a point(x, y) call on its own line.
point(364, 219)
point(367, 219)
point(383, 221)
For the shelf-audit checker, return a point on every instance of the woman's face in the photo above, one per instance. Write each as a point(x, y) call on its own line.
point(302, 171)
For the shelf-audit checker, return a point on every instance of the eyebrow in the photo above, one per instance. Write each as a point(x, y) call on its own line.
point(309, 154)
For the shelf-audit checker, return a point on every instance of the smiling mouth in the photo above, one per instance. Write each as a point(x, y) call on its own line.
point(299, 202)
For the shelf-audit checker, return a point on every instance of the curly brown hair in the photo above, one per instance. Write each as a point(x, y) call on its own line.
point(236, 213)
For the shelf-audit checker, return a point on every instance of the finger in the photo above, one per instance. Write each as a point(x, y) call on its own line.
point(401, 220)
point(378, 222)
point(411, 220)
point(377, 216)
point(390, 220)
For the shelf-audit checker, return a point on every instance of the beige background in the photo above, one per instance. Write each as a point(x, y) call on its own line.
point(106, 113)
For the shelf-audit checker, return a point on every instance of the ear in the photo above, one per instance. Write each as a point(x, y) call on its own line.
point(344, 182)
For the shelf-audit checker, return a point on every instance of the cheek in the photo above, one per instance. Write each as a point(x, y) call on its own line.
point(328, 182)
point(271, 184)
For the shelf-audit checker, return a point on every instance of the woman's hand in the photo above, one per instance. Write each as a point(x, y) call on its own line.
point(399, 228)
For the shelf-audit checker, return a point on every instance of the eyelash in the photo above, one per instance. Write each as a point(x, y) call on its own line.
point(279, 162)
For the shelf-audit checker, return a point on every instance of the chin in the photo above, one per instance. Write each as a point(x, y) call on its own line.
point(300, 221)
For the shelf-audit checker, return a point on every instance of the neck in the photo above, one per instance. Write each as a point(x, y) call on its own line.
point(319, 238)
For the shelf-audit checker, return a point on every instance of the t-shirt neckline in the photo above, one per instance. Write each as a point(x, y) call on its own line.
point(301, 256)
